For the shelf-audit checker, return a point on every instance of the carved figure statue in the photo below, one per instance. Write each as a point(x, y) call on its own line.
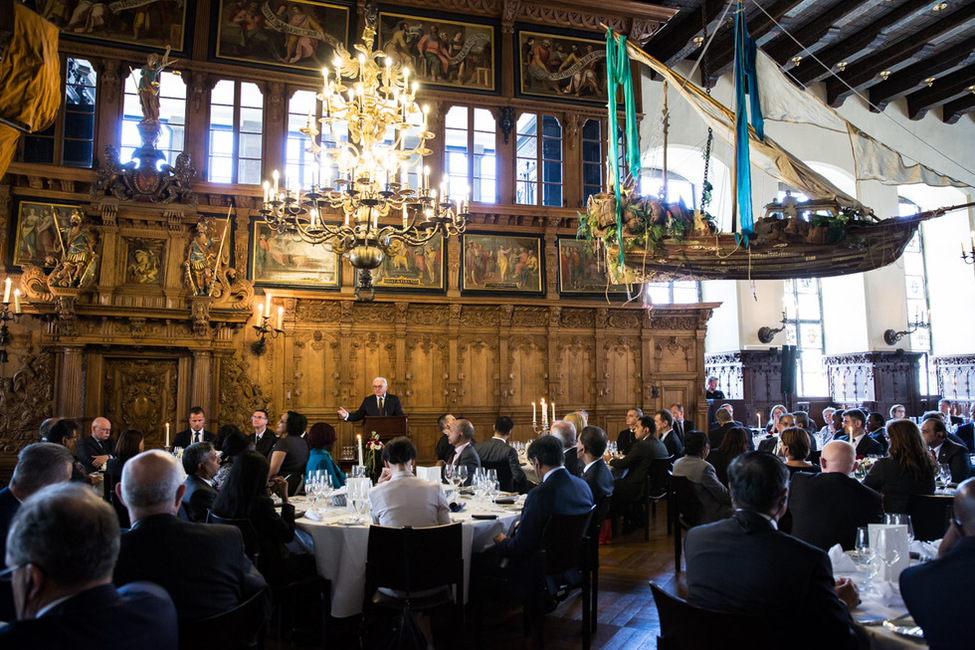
point(198, 266)
point(149, 85)
point(79, 261)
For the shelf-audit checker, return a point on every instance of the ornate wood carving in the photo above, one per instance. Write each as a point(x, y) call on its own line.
point(27, 398)
point(238, 395)
point(141, 394)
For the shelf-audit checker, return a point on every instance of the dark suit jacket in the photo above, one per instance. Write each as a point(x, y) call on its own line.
point(599, 479)
point(636, 464)
point(715, 436)
point(88, 447)
point(496, 450)
point(139, 615)
point(885, 476)
point(674, 445)
point(9, 505)
point(624, 441)
point(570, 458)
point(867, 445)
point(966, 433)
point(266, 444)
point(940, 596)
point(743, 565)
point(471, 460)
point(560, 493)
point(184, 439)
point(828, 508)
point(957, 458)
point(370, 406)
point(198, 499)
point(682, 428)
point(769, 444)
point(203, 567)
point(445, 450)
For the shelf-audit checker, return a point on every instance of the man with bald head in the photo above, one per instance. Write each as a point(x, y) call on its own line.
point(565, 431)
point(97, 448)
point(939, 595)
point(202, 566)
point(827, 508)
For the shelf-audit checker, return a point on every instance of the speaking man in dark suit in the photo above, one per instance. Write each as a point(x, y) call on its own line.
point(745, 565)
point(940, 594)
point(462, 440)
point(201, 463)
point(62, 549)
point(828, 507)
point(597, 475)
point(854, 427)
point(263, 438)
point(196, 432)
point(946, 451)
point(97, 448)
point(497, 450)
point(379, 403)
point(202, 567)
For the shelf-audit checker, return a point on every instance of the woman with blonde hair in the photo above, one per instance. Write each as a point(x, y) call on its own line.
point(908, 470)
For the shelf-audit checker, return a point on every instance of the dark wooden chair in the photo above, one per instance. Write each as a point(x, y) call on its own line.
point(685, 512)
point(109, 495)
point(252, 543)
point(930, 515)
point(684, 626)
point(424, 567)
point(599, 514)
point(505, 480)
point(241, 628)
point(657, 489)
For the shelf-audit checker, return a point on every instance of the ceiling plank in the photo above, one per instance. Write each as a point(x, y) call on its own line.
point(953, 110)
point(944, 89)
point(783, 47)
point(673, 43)
point(854, 43)
point(908, 78)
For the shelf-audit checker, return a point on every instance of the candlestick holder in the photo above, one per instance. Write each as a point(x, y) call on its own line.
point(259, 347)
point(766, 334)
point(891, 336)
point(6, 338)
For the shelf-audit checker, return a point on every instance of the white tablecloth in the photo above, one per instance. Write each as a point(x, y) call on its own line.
point(340, 549)
point(876, 607)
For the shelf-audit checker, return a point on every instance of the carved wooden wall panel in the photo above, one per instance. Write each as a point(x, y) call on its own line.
point(479, 374)
point(316, 368)
point(575, 372)
point(427, 374)
point(528, 376)
point(27, 398)
point(622, 370)
point(141, 394)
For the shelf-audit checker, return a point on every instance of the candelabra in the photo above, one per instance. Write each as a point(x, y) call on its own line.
point(766, 334)
point(264, 327)
point(6, 316)
point(891, 336)
point(969, 256)
point(372, 134)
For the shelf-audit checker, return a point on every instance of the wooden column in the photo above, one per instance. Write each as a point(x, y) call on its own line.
point(201, 382)
point(71, 382)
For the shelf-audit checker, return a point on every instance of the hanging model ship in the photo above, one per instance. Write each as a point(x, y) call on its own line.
point(830, 234)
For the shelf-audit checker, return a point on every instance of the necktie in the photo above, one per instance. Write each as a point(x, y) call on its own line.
point(381, 400)
point(196, 436)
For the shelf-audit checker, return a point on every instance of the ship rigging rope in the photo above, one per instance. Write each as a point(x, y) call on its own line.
point(865, 99)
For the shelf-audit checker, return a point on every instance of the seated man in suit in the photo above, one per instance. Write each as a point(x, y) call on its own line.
point(745, 565)
point(827, 508)
point(626, 437)
point(940, 595)
point(713, 498)
point(61, 551)
point(445, 450)
point(773, 444)
point(946, 451)
point(96, 448)
point(944, 407)
point(201, 463)
point(380, 403)
point(38, 465)
point(854, 428)
point(631, 472)
point(565, 431)
point(681, 425)
point(196, 432)
point(201, 566)
point(591, 446)
point(725, 424)
point(497, 450)
point(877, 428)
point(462, 439)
point(263, 438)
point(402, 499)
point(664, 421)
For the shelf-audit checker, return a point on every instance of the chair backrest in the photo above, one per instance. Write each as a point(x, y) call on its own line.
point(930, 514)
point(234, 629)
point(684, 626)
point(658, 476)
point(685, 501)
point(505, 480)
point(109, 495)
point(562, 541)
point(252, 542)
point(414, 559)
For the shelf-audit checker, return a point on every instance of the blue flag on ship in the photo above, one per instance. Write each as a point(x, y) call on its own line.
point(746, 82)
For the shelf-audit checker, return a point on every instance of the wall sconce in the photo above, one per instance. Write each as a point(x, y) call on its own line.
point(6, 338)
point(766, 334)
point(259, 347)
point(891, 337)
point(969, 256)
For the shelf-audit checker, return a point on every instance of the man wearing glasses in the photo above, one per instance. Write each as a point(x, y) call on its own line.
point(263, 438)
point(96, 448)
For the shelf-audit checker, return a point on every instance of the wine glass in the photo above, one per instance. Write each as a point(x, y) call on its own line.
point(896, 519)
point(459, 476)
point(863, 554)
point(890, 555)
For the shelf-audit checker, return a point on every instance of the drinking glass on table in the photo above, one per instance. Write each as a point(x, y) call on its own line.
point(896, 519)
point(886, 540)
point(863, 554)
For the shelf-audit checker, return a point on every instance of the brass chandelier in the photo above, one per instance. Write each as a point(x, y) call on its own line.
point(360, 202)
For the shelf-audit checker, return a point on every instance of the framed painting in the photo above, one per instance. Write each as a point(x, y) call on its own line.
point(582, 272)
point(441, 52)
point(413, 268)
point(294, 34)
point(278, 259)
point(144, 261)
point(562, 66)
point(148, 23)
point(36, 236)
point(500, 263)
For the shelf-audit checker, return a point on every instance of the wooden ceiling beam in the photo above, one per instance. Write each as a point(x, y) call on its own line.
point(944, 89)
point(953, 110)
point(855, 43)
point(907, 79)
point(866, 69)
point(783, 47)
point(676, 39)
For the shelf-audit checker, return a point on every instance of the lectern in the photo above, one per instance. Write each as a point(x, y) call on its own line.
point(387, 427)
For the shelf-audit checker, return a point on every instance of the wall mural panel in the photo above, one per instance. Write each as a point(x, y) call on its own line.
point(413, 268)
point(562, 67)
point(148, 23)
point(277, 259)
point(496, 263)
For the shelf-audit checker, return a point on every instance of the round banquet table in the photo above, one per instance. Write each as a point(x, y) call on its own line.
point(341, 547)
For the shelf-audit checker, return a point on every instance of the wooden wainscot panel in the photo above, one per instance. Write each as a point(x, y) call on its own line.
point(479, 374)
point(621, 370)
point(426, 371)
point(575, 371)
point(527, 368)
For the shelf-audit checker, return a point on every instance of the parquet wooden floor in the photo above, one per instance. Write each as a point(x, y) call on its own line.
point(627, 615)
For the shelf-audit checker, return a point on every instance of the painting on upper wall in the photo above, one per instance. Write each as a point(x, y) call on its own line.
point(36, 237)
point(501, 264)
point(277, 259)
point(295, 34)
point(441, 52)
point(583, 272)
point(413, 268)
point(562, 66)
point(144, 261)
point(149, 23)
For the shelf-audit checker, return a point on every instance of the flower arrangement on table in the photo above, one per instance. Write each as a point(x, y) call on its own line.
point(374, 455)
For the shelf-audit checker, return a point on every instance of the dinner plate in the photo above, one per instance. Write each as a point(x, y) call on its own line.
point(904, 626)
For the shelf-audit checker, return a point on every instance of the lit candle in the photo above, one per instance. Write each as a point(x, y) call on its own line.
point(973, 240)
point(267, 304)
point(267, 191)
point(260, 311)
point(276, 176)
point(426, 185)
point(553, 411)
point(389, 63)
point(167, 435)
point(6, 291)
point(405, 219)
point(358, 437)
point(534, 415)
point(406, 85)
point(325, 75)
point(17, 301)
point(280, 317)
point(759, 416)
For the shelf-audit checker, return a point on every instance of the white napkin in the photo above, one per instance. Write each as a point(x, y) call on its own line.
point(842, 563)
point(926, 550)
point(429, 474)
point(312, 515)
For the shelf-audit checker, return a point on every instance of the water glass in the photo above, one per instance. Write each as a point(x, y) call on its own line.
point(358, 471)
point(863, 554)
point(901, 520)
